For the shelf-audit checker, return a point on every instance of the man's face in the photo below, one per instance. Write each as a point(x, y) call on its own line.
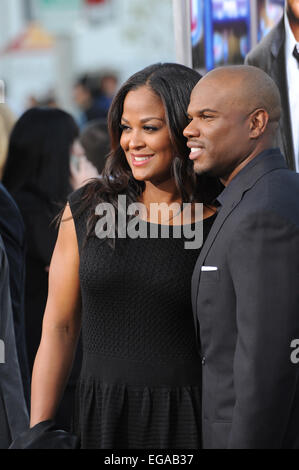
point(293, 8)
point(82, 96)
point(218, 134)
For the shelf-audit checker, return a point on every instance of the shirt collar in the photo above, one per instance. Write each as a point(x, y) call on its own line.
point(235, 181)
point(290, 42)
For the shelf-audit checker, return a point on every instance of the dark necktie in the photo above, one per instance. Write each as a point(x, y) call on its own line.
point(296, 53)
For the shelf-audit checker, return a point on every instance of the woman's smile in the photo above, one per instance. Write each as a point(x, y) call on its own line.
point(139, 160)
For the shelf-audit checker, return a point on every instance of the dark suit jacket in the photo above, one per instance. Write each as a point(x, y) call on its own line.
point(248, 310)
point(13, 410)
point(12, 231)
point(269, 55)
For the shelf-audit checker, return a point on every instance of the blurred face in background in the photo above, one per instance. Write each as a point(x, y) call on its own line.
point(81, 168)
point(77, 149)
point(145, 137)
point(293, 10)
point(82, 96)
point(109, 86)
point(77, 153)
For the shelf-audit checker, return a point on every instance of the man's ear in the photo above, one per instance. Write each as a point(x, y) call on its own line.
point(258, 123)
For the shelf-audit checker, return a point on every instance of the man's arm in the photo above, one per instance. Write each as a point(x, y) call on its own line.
point(257, 58)
point(264, 263)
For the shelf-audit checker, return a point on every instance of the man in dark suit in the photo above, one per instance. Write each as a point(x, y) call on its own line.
point(245, 287)
point(13, 410)
point(12, 231)
point(278, 55)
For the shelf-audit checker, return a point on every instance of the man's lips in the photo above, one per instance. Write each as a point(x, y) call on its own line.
point(195, 150)
point(141, 159)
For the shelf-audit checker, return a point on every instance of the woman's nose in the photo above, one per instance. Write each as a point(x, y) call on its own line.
point(136, 140)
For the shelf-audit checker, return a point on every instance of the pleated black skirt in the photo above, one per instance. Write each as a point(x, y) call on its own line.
point(123, 404)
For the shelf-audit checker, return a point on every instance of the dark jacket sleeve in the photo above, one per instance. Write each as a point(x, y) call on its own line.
point(260, 59)
point(13, 410)
point(261, 56)
point(264, 265)
point(12, 231)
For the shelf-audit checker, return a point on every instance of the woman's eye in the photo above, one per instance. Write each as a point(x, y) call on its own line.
point(150, 128)
point(123, 127)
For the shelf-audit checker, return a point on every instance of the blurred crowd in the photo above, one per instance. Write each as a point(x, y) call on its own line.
point(92, 96)
point(37, 173)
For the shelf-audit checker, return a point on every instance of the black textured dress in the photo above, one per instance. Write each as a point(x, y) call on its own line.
point(140, 384)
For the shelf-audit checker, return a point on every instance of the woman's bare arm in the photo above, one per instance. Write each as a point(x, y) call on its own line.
point(61, 325)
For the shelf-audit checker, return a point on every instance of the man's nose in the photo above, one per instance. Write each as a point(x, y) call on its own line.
point(192, 130)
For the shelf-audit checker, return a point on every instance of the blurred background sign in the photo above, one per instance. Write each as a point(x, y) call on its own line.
point(224, 31)
point(182, 30)
point(57, 16)
point(97, 11)
point(269, 13)
point(34, 38)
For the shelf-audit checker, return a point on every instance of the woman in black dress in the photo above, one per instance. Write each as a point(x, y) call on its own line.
point(140, 384)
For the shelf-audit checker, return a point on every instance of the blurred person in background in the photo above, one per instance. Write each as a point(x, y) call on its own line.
point(93, 96)
point(37, 174)
point(81, 168)
point(7, 121)
point(31, 102)
point(107, 91)
point(12, 231)
point(85, 93)
point(13, 234)
point(14, 418)
point(48, 101)
point(278, 55)
point(95, 141)
point(89, 153)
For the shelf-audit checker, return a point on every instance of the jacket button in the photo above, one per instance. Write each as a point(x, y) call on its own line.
point(203, 361)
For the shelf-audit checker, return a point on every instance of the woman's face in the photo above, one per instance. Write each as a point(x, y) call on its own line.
point(145, 137)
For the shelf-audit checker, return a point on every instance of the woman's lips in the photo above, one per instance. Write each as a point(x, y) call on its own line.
point(195, 152)
point(140, 160)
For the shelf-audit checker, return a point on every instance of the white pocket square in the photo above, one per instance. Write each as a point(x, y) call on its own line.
point(209, 268)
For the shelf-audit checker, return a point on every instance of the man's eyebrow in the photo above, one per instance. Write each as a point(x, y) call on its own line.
point(201, 111)
point(207, 110)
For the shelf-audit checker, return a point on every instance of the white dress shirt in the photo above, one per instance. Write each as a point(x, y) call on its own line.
point(292, 68)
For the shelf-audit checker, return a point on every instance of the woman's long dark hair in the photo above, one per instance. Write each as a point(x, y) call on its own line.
point(173, 84)
point(39, 154)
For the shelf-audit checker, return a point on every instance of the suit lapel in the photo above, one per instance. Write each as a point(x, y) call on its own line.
point(234, 194)
point(220, 219)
